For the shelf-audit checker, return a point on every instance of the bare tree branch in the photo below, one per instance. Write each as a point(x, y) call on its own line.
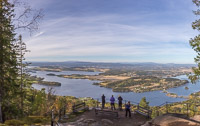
point(28, 18)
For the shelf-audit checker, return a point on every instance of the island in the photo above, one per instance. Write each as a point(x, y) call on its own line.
point(49, 83)
point(51, 74)
point(173, 95)
point(39, 80)
point(131, 84)
point(145, 84)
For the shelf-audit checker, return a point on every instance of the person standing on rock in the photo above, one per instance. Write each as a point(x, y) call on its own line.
point(120, 99)
point(103, 98)
point(112, 102)
point(128, 109)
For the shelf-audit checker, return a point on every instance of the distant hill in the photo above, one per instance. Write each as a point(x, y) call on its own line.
point(146, 66)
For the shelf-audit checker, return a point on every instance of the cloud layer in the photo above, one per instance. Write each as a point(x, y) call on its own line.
point(113, 37)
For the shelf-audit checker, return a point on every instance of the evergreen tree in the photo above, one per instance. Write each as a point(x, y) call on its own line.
point(13, 85)
point(8, 60)
point(21, 50)
point(195, 43)
point(144, 103)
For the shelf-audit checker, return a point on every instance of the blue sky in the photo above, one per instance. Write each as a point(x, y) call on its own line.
point(113, 31)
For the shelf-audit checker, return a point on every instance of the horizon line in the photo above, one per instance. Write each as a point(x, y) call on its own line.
point(108, 62)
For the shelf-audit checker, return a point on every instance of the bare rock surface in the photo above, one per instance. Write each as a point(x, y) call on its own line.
point(196, 117)
point(173, 120)
point(90, 119)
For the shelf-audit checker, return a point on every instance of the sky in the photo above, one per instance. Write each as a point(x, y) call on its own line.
point(113, 31)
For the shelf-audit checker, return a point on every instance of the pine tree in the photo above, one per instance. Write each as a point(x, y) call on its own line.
point(8, 60)
point(195, 43)
point(21, 50)
point(144, 103)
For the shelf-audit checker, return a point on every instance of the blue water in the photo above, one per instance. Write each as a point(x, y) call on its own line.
point(84, 88)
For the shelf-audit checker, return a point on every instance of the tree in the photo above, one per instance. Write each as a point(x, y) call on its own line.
point(10, 86)
point(195, 44)
point(8, 60)
point(20, 49)
point(144, 103)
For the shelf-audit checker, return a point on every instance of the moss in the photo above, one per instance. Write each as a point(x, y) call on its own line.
point(37, 120)
point(14, 122)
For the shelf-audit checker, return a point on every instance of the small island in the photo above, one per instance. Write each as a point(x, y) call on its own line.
point(49, 83)
point(51, 74)
point(39, 80)
point(173, 95)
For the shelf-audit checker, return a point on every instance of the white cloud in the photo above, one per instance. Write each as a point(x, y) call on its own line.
point(107, 35)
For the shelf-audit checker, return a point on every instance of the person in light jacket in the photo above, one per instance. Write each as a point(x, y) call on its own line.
point(112, 102)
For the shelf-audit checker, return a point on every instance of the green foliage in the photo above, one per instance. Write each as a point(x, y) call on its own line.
point(143, 103)
point(16, 97)
point(195, 44)
point(8, 62)
point(39, 102)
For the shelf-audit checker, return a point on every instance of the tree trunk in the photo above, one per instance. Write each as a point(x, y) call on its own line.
point(1, 114)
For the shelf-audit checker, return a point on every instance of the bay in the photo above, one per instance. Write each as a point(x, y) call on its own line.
point(85, 88)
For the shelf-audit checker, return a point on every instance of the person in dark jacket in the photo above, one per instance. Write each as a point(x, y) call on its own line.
point(120, 99)
point(103, 101)
point(128, 109)
point(112, 102)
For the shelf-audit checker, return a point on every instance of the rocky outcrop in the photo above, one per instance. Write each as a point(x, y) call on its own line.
point(172, 120)
point(83, 122)
point(107, 122)
point(196, 118)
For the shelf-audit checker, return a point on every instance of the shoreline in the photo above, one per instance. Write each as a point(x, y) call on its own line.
point(174, 95)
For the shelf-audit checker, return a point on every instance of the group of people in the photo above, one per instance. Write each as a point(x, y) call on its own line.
point(112, 103)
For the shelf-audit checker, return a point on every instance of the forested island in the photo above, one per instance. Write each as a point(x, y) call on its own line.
point(144, 84)
point(39, 80)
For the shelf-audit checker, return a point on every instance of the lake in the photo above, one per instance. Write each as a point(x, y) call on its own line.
point(85, 88)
